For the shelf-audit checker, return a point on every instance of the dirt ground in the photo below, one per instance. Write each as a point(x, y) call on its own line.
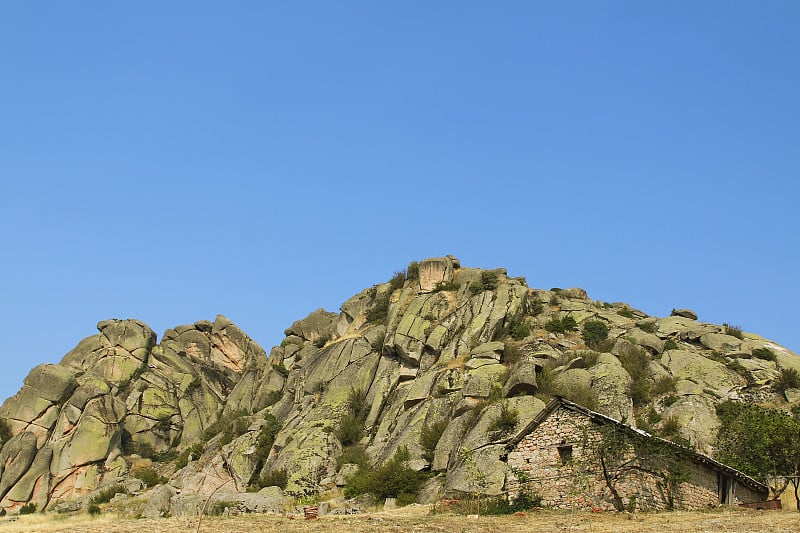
point(417, 519)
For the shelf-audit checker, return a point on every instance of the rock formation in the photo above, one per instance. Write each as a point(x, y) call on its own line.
point(166, 424)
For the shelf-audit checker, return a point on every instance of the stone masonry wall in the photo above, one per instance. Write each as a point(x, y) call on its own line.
point(537, 465)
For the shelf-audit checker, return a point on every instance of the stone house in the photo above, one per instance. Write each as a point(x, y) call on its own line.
point(570, 455)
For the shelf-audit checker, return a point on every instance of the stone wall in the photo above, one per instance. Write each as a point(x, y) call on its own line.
point(556, 462)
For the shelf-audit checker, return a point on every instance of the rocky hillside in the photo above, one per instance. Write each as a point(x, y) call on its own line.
point(443, 361)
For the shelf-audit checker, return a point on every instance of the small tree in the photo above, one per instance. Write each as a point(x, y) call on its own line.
point(412, 271)
point(394, 479)
point(506, 420)
point(351, 425)
point(594, 332)
point(5, 432)
point(636, 361)
point(621, 452)
point(264, 442)
point(429, 437)
point(789, 378)
point(762, 443)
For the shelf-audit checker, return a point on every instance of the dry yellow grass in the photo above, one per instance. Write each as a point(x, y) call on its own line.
point(417, 519)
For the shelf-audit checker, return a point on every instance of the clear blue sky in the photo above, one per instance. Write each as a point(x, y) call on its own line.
point(170, 161)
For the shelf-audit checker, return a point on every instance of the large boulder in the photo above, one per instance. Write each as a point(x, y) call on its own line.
point(611, 382)
point(720, 342)
point(118, 353)
point(434, 271)
point(522, 378)
point(477, 472)
point(53, 383)
point(318, 325)
point(96, 433)
point(685, 313)
point(707, 373)
point(15, 459)
point(696, 417)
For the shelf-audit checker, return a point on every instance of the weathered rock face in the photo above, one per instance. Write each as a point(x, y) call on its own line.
point(114, 394)
point(467, 351)
point(432, 272)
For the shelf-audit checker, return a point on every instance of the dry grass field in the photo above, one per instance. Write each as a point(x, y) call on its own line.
point(417, 519)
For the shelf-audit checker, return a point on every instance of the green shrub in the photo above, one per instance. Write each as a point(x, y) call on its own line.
point(394, 479)
point(219, 508)
point(144, 450)
point(625, 312)
point(671, 345)
point(397, 281)
point(733, 331)
point(355, 454)
point(789, 378)
point(589, 357)
point(561, 325)
point(93, 509)
point(280, 369)
point(164, 424)
point(379, 309)
point(275, 478)
point(582, 395)
point(28, 508)
point(506, 421)
point(670, 427)
point(765, 353)
point(519, 331)
point(594, 332)
point(447, 286)
point(148, 476)
point(604, 346)
point(636, 361)
point(429, 437)
point(739, 368)
point(489, 280)
point(503, 506)
point(357, 403)
point(476, 287)
point(554, 325)
point(350, 430)
point(639, 391)
point(664, 385)
point(264, 441)
point(511, 353)
point(351, 425)
point(535, 307)
point(105, 495)
point(5, 432)
point(412, 271)
point(231, 427)
point(670, 399)
point(322, 341)
point(648, 327)
point(652, 416)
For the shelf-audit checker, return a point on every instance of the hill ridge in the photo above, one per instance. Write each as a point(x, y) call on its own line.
point(438, 346)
